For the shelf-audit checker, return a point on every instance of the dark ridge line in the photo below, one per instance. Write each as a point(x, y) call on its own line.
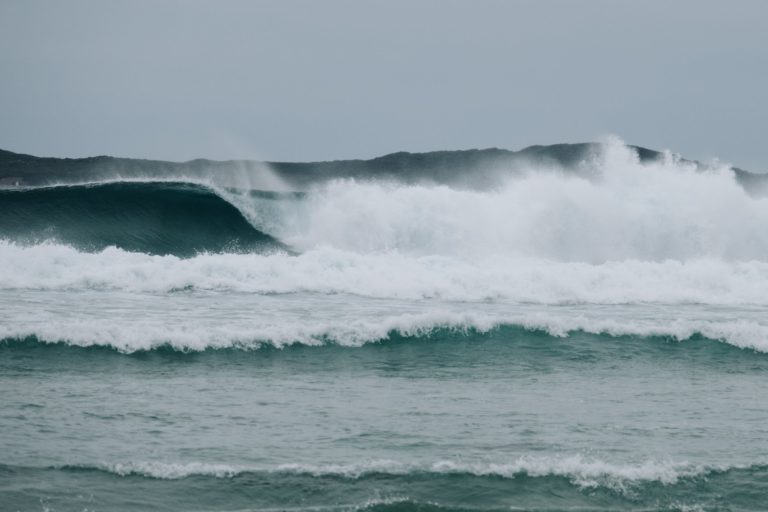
point(564, 151)
point(549, 150)
point(448, 165)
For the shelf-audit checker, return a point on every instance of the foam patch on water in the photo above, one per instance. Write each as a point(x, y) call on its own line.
point(389, 275)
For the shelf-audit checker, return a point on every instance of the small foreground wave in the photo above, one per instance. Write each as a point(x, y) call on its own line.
point(141, 335)
point(581, 471)
point(552, 484)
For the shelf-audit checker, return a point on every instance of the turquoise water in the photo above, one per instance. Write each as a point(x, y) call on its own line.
point(597, 342)
point(452, 420)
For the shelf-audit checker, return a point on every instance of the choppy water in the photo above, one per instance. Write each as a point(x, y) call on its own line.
point(590, 342)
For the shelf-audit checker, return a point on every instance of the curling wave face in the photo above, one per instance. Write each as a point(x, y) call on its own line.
point(148, 217)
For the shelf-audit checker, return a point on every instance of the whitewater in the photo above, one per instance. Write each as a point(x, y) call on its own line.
point(549, 337)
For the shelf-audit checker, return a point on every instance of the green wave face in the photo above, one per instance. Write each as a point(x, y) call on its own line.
point(181, 219)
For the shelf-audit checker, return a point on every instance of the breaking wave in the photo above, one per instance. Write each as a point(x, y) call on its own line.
point(621, 209)
point(389, 275)
point(529, 483)
point(611, 207)
point(581, 471)
point(141, 335)
point(149, 217)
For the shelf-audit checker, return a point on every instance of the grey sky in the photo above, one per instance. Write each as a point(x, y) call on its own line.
point(291, 80)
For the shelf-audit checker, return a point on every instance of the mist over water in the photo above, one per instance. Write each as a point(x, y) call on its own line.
point(622, 209)
point(590, 335)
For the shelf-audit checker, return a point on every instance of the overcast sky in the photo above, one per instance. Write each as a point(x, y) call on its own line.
point(311, 80)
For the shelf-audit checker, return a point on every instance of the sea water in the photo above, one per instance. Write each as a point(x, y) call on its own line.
point(554, 342)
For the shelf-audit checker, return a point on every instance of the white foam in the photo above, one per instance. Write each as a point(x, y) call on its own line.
point(171, 471)
point(390, 275)
point(623, 210)
point(189, 334)
point(147, 334)
point(662, 234)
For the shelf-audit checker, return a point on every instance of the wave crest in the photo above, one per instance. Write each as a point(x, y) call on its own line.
point(582, 471)
point(145, 336)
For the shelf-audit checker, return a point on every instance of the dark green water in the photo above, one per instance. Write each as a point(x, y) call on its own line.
point(737, 489)
point(154, 218)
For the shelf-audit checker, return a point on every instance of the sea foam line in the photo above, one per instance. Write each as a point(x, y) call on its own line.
point(141, 335)
point(388, 275)
point(582, 471)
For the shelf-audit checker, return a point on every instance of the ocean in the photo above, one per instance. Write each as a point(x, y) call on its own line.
point(581, 337)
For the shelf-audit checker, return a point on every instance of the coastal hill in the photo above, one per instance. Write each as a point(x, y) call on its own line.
point(474, 167)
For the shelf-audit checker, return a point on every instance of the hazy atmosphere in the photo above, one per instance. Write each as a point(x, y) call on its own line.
point(424, 256)
point(304, 80)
